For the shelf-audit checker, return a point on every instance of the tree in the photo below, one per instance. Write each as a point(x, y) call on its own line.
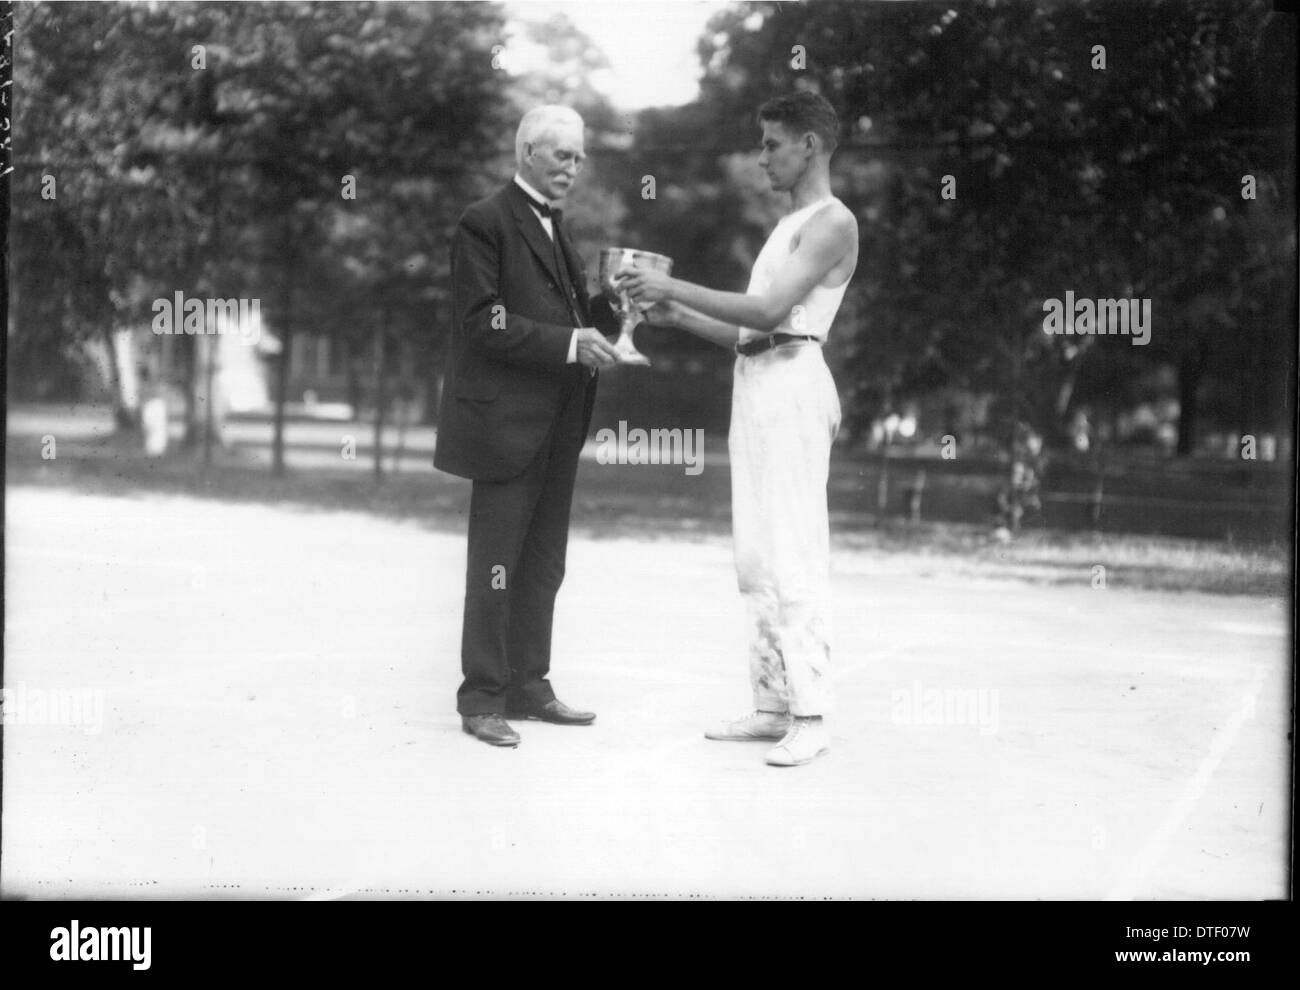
point(94, 236)
point(1064, 174)
point(213, 144)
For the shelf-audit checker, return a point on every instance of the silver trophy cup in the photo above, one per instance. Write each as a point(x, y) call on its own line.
point(613, 261)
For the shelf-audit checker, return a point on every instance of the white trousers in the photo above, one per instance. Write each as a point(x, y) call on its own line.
point(784, 414)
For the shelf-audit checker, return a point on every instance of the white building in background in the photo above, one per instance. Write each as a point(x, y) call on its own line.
point(148, 363)
point(327, 377)
point(243, 369)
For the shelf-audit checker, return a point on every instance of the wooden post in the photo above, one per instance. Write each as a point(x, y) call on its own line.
point(1094, 504)
point(286, 345)
point(405, 396)
point(914, 497)
point(380, 355)
point(208, 347)
point(882, 488)
point(211, 348)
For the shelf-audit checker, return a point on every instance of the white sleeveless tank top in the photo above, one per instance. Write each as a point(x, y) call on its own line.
point(814, 314)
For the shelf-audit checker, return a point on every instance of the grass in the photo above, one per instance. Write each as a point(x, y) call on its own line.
point(661, 502)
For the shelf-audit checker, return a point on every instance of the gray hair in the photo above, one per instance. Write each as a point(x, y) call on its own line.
point(541, 122)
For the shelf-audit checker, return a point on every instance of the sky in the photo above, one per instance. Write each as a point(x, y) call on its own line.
point(650, 43)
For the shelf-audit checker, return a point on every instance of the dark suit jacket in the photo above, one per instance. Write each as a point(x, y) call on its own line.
point(506, 375)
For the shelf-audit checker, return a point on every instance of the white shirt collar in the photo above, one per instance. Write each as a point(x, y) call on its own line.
point(538, 197)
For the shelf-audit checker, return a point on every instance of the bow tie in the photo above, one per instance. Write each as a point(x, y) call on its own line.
point(545, 209)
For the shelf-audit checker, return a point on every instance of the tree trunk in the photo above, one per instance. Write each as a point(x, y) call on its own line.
point(286, 348)
point(187, 354)
point(354, 379)
point(1190, 371)
point(126, 392)
point(380, 359)
point(211, 346)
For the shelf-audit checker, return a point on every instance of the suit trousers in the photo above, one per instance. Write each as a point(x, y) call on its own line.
point(518, 538)
point(785, 412)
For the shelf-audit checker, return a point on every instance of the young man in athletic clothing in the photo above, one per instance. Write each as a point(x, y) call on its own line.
point(785, 412)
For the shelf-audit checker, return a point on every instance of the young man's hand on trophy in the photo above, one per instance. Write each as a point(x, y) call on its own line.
point(645, 285)
point(616, 264)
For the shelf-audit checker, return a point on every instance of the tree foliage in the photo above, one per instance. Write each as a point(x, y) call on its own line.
point(1110, 178)
point(205, 148)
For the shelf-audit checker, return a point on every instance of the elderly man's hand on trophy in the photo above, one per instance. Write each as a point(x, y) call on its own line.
point(617, 265)
point(594, 351)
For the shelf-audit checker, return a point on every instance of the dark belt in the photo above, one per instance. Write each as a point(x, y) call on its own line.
point(768, 342)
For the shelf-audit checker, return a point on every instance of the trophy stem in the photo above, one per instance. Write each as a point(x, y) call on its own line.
point(628, 354)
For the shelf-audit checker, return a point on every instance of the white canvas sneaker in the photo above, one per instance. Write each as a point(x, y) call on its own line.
point(756, 725)
point(802, 744)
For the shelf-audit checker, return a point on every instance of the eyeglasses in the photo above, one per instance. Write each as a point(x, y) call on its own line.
point(566, 159)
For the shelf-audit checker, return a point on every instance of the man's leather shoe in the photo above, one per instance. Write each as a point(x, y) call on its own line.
point(554, 711)
point(492, 729)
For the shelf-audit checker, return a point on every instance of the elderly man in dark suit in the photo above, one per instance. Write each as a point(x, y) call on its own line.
point(517, 399)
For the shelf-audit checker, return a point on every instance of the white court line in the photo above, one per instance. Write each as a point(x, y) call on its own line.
point(843, 673)
point(643, 762)
point(648, 672)
point(680, 678)
point(149, 605)
point(110, 558)
point(1153, 851)
point(1047, 646)
point(680, 744)
point(1044, 645)
point(1245, 628)
point(208, 671)
point(657, 755)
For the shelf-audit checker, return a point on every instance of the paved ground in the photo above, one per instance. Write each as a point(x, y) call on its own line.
point(277, 721)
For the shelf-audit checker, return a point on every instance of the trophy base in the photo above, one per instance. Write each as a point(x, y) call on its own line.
point(627, 352)
point(633, 357)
